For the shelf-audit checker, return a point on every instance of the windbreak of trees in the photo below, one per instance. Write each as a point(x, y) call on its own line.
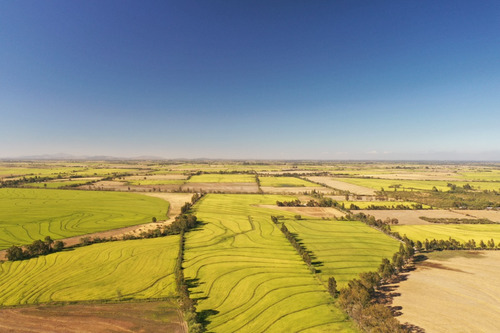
point(358, 299)
point(304, 253)
point(35, 249)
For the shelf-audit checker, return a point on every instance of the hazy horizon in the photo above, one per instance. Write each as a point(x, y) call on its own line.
point(254, 80)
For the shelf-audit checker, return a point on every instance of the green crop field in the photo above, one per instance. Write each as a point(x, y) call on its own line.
point(285, 182)
point(461, 232)
point(381, 204)
point(249, 277)
point(222, 178)
point(135, 269)
point(30, 214)
point(441, 185)
point(491, 175)
point(345, 248)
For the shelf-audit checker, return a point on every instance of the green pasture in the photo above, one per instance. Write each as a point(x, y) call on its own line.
point(248, 277)
point(285, 182)
point(344, 248)
point(30, 214)
point(381, 204)
point(460, 232)
point(135, 269)
point(387, 184)
point(222, 178)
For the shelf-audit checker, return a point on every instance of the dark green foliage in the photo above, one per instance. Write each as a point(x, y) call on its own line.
point(332, 286)
point(35, 249)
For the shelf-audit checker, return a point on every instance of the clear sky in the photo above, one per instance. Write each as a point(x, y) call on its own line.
point(251, 79)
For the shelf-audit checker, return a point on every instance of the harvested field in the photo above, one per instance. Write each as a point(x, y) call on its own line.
point(221, 187)
point(492, 215)
point(222, 178)
point(412, 217)
point(309, 211)
point(453, 291)
point(285, 182)
point(340, 185)
point(157, 177)
point(94, 318)
point(176, 201)
point(124, 187)
point(293, 190)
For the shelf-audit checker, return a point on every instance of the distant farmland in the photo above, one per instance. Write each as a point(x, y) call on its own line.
point(30, 214)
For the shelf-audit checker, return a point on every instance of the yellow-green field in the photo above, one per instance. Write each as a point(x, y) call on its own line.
point(345, 248)
point(30, 214)
point(135, 269)
point(222, 178)
point(249, 277)
point(460, 232)
point(388, 184)
point(285, 182)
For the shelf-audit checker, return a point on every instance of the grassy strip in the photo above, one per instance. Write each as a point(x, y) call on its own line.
point(450, 220)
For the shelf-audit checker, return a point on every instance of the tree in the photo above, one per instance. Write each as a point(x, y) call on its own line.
point(15, 253)
point(332, 286)
point(58, 246)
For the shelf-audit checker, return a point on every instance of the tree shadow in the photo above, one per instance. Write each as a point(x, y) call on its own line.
point(203, 317)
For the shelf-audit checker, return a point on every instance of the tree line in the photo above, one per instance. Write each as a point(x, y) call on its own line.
point(35, 249)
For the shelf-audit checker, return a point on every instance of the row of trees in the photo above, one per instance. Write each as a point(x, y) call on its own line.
point(35, 249)
point(358, 299)
point(453, 244)
point(304, 253)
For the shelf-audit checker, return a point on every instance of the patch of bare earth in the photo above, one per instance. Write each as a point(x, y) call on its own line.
point(316, 212)
point(452, 291)
point(329, 181)
point(221, 187)
point(412, 217)
point(122, 186)
point(157, 177)
point(294, 189)
point(93, 318)
point(492, 215)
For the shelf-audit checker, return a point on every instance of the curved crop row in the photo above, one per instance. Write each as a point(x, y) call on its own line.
point(247, 277)
point(135, 269)
point(30, 214)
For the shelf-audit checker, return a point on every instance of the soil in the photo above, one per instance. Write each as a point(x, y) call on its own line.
point(93, 318)
point(452, 291)
point(356, 189)
point(412, 217)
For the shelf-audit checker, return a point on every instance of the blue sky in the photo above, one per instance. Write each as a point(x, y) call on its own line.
point(251, 79)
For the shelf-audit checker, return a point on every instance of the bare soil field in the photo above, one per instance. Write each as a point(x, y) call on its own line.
point(221, 187)
point(342, 185)
point(158, 177)
point(412, 217)
point(309, 211)
point(93, 318)
point(122, 186)
point(293, 190)
point(492, 215)
point(452, 291)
